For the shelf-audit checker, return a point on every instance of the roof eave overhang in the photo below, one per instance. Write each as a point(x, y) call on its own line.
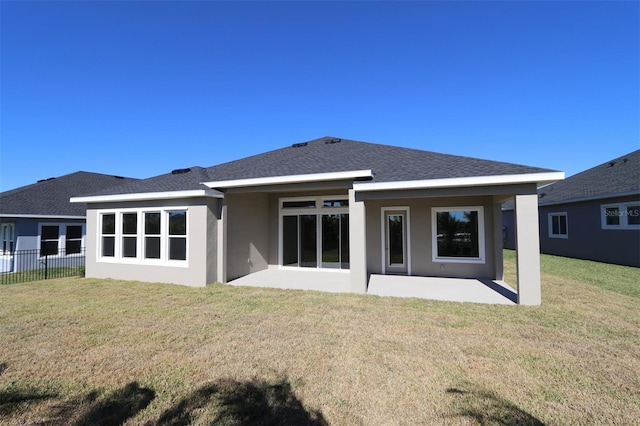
point(591, 198)
point(290, 179)
point(582, 199)
point(146, 196)
point(537, 178)
point(40, 216)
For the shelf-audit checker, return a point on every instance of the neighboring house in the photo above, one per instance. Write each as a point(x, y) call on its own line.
point(40, 216)
point(593, 215)
point(328, 204)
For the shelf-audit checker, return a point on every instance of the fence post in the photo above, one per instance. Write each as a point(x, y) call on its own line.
point(46, 262)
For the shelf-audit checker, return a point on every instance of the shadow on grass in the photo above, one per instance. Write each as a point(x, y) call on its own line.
point(242, 403)
point(487, 408)
point(117, 407)
point(114, 409)
point(14, 398)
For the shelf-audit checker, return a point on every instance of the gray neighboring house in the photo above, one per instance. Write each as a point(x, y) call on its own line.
point(356, 208)
point(40, 217)
point(592, 215)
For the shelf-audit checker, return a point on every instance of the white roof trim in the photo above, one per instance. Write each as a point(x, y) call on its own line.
point(41, 216)
point(275, 180)
point(460, 182)
point(145, 196)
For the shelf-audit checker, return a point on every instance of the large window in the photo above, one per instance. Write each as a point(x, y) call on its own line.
point(621, 215)
point(458, 234)
point(314, 232)
point(558, 227)
point(143, 235)
point(60, 239)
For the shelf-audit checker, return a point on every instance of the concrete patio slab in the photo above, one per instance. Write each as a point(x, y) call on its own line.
point(329, 281)
point(447, 289)
point(434, 288)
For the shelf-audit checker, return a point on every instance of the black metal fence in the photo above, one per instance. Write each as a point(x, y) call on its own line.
point(33, 265)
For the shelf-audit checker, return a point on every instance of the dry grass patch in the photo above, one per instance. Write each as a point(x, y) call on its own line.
point(84, 350)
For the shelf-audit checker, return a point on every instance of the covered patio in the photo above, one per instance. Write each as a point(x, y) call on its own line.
point(433, 288)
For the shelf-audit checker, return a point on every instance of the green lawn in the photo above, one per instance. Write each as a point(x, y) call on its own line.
point(87, 351)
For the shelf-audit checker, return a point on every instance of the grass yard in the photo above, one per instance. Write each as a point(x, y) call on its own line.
point(85, 351)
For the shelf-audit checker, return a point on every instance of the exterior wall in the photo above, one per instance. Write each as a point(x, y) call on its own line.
point(421, 251)
point(200, 268)
point(248, 232)
point(586, 238)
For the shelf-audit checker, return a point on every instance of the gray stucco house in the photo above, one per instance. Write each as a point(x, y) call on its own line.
point(329, 204)
point(40, 217)
point(593, 215)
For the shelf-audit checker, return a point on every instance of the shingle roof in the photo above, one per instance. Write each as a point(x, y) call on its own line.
point(51, 196)
point(329, 154)
point(618, 176)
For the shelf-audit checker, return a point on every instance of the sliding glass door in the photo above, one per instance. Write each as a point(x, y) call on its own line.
point(314, 233)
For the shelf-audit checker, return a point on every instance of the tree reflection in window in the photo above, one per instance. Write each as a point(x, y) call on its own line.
point(457, 233)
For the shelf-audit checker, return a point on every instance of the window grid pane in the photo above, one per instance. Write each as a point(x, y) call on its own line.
point(109, 224)
point(290, 240)
point(177, 248)
point(633, 215)
point(308, 246)
point(74, 232)
point(178, 223)
point(612, 216)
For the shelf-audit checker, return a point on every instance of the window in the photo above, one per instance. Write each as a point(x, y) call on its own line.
point(621, 215)
point(558, 225)
point(314, 232)
point(140, 235)
point(49, 238)
point(108, 239)
point(73, 239)
point(60, 239)
point(458, 234)
point(7, 232)
point(129, 234)
point(178, 235)
point(152, 235)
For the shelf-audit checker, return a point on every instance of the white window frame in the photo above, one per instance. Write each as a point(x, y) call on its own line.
point(7, 240)
point(622, 215)
point(62, 237)
point(550, 217)
point(318, 211)
point(140, 235)
point(434, 235)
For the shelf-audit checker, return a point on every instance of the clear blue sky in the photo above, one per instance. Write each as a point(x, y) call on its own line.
point(140, 88)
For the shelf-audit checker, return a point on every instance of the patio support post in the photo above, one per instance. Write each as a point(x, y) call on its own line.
point(222, 243)
point(497, 242)
point(527, 249)
point(357, 245)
